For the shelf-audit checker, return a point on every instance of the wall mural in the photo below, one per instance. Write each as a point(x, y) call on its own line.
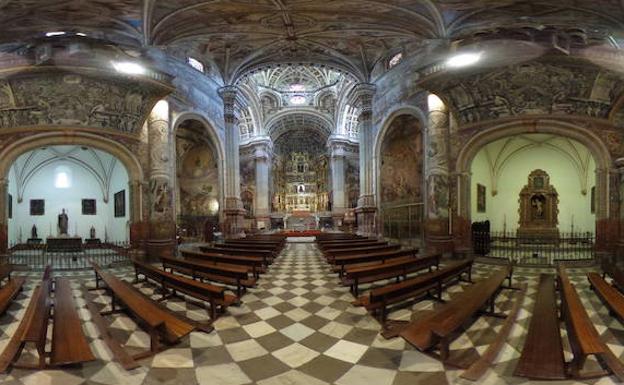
point(199, 182)
point(402, 162)
point(248, 184)
point(533, 88)
point(352, 182)
point(75, 100)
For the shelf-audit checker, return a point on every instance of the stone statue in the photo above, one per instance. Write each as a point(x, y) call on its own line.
point(33, 232)
point(63, 222)
point(92, 232)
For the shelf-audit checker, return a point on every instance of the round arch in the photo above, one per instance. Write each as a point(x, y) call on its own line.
point(582, 135)
point(215, 139)
point(9, 154)
point(381, 135)
point(307, 112)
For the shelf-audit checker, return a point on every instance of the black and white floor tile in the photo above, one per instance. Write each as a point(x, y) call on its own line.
point(297, 327)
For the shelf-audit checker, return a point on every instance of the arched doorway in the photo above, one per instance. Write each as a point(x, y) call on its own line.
point(198, 181)
point(29, 165)
point(400, 180)
point(497, 162)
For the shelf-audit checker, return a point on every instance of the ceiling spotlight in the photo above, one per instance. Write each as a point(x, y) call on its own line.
point(129, 68)
point(81, 34)
point(464, 59)
point(56, 33)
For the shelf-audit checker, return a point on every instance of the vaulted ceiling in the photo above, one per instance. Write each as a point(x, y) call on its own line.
point(353, 35)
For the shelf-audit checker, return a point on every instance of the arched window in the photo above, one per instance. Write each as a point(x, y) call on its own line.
point(196, 64)
point(245, 125)
point(350, 121)
point(395, 60)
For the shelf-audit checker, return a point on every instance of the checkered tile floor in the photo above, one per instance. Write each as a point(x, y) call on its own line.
point(296, 327)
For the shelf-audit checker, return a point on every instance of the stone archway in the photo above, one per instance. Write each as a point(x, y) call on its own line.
point(399, 180)
point(10, 153)
point(594, 144)
point(201, 201)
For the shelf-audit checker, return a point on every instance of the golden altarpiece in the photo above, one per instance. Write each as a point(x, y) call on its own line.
point(539, 209)
point(303, 187)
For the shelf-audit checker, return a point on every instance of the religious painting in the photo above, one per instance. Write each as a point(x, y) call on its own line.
point(10, 208)
point(88, 207)
point(593, 200)
point(480, 198)
point(119, 200)
point(37, 207)
point(401, 164)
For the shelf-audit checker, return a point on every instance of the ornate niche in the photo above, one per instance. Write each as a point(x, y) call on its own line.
point(539, 208)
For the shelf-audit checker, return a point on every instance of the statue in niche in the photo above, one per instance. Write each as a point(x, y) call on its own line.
point(63, 223)
point(538, 209)
point(33, 232)
point(92, 232)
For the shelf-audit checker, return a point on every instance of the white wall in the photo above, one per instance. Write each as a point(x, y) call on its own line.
point(83, 186)
point(514, 176)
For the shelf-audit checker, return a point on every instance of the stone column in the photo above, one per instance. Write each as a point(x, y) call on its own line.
point(4, 218)
point(367, 210)
point(338, 167)
point(161, 221)
point(437, 229)
point(139, 232)
point(233, 210)
point(262, 158)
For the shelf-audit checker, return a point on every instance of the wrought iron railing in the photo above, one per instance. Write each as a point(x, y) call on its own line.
point(535, 250)
point(36, 257)
point(403, 222)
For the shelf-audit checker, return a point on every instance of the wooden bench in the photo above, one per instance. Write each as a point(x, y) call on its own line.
point(332, 254)
point(215, 296)
point(254, 263)
point(161, 325)
point(437, 329)
point(10, 289)
point(612, 297)
point(231, 275)
point(542, 354)
point(582, 335)
point(265, 256)
point(395, 268)
point(351, 244)
point(341, 263)
point(616, 274)
point(378, 300)
point(69, 344)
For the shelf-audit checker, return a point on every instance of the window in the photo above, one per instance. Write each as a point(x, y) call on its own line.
point(350, 121)
point(297, 99)
point(394, 60)
point(196, 64)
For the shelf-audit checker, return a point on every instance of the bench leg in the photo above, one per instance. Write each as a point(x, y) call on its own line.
point(443, 346)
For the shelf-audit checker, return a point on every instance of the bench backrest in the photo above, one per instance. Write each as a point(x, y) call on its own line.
point(399, 263)
point(37, 325)
point(236, 271)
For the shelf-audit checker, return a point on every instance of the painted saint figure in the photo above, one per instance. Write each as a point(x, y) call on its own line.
point(63, 223)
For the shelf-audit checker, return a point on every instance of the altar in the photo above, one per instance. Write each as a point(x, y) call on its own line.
point(63, 244)
point(301, 220)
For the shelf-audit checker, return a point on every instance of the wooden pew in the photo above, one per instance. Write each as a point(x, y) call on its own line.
point(329, 242)
point(616, 274)
point(231, 275)
point(69, 344)
point(161, 325)
point(542, 354)
point(582, 335)
point(351, 244)
point(265, 255)
point(612, 297)
point(254, 263)
point(342, 262)
point(215, 296)
point(395, 268)
point(378, 300)
point(332, 254)
point(436, 330)
point(10, 289)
